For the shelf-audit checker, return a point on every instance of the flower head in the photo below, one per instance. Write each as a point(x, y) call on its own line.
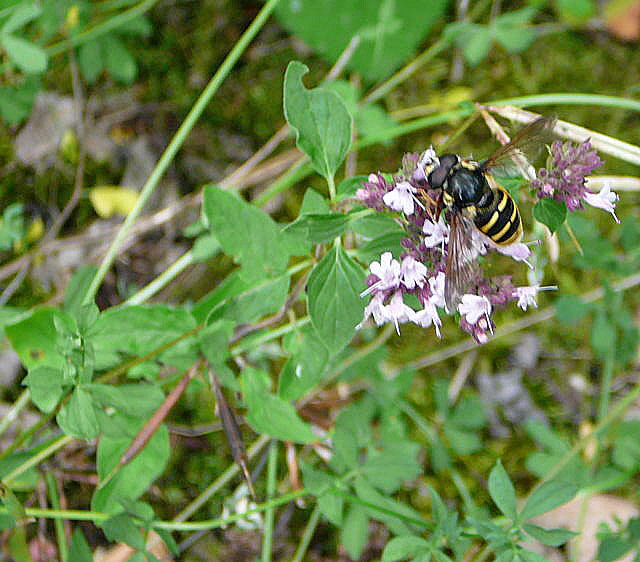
point(567, 168)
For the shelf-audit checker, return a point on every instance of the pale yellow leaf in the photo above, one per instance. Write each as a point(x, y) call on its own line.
point(112, 200)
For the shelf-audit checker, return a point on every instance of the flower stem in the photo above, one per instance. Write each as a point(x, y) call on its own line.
point(267, 536)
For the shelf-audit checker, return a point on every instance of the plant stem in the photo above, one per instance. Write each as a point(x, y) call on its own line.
point(309, 530)
point(176, 142)
point(272, 468)
point(35, 459)
point(162, 280)
point(13, 412)
point(61, 539)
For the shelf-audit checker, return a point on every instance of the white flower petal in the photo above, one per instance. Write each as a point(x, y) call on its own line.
point(473, 307)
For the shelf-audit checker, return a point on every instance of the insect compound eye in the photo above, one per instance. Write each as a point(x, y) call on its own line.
point(438, 177)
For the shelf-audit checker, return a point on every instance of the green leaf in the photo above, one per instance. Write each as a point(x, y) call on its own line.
point(502, 491)
point(372, 226)
point(205, 247)
point(79, 550)
point(462, 441)
point(613, 548)
point(372, 250)
point(306, 367)
point(603, 336)
point(320, 120)
point(35, 341)
point(16, 101)
point(321, 228)
point(21, 15)
point(257, 245)
point(550, 212)
point(551, 537)
point(348, 186)
point(27, 56)
point(169, 541)
point(118, 60)
point(469, 413)
point(141, 329)
point(135, 400)
point(270, 414)
point(355, 531)
point(513, 30)
point(575, 12)
point(331, 506)
point(390, 32)
point(121, 528)
point(46, 387)
point(400, 548)
point(570, 310)
point(134, 478)
point(90, 60)
point(547, 497)
point(476, 44)
point(335, 305)
point(77, 288)
point(396, 463)
point(626, 445)
point(77, 417)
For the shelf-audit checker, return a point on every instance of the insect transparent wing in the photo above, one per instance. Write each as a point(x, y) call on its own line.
point(461, 268)
point(527, 143)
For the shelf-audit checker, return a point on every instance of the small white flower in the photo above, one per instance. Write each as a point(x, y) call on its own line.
point(413, 272)
point(428, 316)
point(472, 307)
point(373, 178)
point(428, 157)
point(401, 198)
point(398, 312)
point(435, 233)
point(605, 199)
point(527, 295)
point(375, 308)
point(387, 270)
point(436, 284)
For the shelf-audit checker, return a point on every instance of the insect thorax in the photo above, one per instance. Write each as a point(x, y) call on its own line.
point(466, 186)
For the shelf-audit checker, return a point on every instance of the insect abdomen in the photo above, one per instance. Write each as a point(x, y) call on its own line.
point(500, 220)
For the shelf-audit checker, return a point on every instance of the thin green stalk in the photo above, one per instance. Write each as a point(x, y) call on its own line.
point(162, 280)
point(332, 187)
point(58, 524)
point(69, 514)
point(220, 521)
point(176, 142)
point(309, 530)
point(267, 534)
point(37, 458)
point(571, 99)
point(607, 379)
point(251, 343)
point(13, 412)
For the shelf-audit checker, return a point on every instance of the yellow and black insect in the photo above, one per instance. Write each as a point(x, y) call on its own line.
point(475, 199)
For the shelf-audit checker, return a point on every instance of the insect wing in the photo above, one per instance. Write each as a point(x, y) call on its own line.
point(527, 143)
point(461, 268)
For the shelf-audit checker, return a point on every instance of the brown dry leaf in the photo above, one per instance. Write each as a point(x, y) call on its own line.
point(602, 508)
point(622, 19)
point(122, 552)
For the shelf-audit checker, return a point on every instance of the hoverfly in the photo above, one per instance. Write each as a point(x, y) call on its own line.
point(476, 201)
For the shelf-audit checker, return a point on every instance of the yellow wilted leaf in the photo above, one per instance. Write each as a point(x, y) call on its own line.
point(113, 200)
point(452, 97)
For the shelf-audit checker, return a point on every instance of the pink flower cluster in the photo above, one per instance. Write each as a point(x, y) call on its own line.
point(421, 269)
point(564, 178)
